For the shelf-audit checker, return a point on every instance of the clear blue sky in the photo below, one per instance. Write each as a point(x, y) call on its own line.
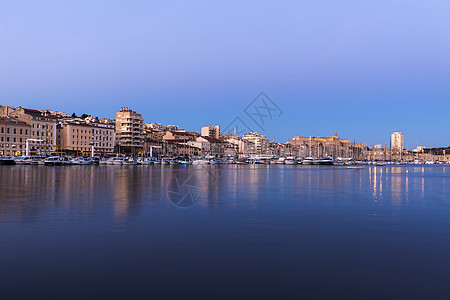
point(363, 68)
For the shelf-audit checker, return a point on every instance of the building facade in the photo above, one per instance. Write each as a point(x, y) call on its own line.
point(211, 131)
point(43, 129)
point(397, 146)
point(129, 131)
point(13, 136)
point(257, 143)
point(103, 138)
point(74, 137)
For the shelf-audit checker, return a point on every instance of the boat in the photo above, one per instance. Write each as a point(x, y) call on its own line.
point(145, 161)
point(117, 160)
point(103, 162)
point(242, 161)
point(80, 161)
point(22, 160)
point(129, 161)
point(200, 162)
point(280, 161)
point(308, 161)
point(7, 160)
point(291, 160)
point(324, 161)
point(55, 161)
point(339, 162)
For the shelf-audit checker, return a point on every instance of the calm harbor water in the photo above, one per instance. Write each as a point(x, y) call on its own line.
point(275, 232)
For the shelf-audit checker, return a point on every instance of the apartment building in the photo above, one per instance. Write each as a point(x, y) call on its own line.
point(75, 137)
point(257, 142)
point(103, 137)
point(129, 130)
point(13, 136)
point(211, 131)
point(43, 128)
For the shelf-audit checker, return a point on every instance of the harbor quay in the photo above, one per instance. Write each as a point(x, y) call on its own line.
point(30, 135)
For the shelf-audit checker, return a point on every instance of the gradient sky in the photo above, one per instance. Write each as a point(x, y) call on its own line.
point(361, 68)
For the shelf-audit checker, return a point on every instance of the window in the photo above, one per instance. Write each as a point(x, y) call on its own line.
point(21, 140)
point(7, 138)
point(7, 130)
point(3, 130)
point(14, 131)
point(26, 131)
point(14, 140)
point(20, 131)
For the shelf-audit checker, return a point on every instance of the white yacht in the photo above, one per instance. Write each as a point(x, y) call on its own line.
point(55, 161)
point(129, 161)
point(280, 161)
point(117, 161)
point(324, 161)
point(308, 161)
point(290, 160)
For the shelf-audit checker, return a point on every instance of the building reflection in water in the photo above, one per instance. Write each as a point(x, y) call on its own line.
point(31, 193)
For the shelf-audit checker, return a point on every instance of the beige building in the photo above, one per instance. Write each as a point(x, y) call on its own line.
point(397, 146)
point(103, 137)
point(129, 130)
point(43, 128)
point(180, 135)
point(211, 131)
point(397, 141)
point(327, 146)
point(74, 136)
point(257, 143)
point(13, 136)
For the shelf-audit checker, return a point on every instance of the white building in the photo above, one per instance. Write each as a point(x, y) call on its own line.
point(397, 141)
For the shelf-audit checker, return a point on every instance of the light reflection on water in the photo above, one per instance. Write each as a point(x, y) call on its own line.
point(270, 228)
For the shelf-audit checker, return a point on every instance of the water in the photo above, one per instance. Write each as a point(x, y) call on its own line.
point(278, 232)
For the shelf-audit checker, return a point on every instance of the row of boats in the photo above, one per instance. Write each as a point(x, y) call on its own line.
point(67, 160)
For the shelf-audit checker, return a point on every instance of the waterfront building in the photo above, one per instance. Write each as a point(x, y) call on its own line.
point(236, 145)
point(181, 135)
point(257, 143)
point(129, 131)
point(103, 138)
point(13, 136)
point(211, 131)
point(75, 137)
point(397, 146)
point(328, 146)
point(208, 146)
point(154, 147)
point(43, 128)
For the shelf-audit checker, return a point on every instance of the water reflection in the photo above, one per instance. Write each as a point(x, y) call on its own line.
point(31, 193)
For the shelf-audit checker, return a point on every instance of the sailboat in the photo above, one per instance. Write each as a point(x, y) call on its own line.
point(308, 160)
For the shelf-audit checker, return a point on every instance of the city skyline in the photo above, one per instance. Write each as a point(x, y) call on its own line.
point(364, 70)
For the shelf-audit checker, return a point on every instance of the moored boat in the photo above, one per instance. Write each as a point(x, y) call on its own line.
point(7, 160)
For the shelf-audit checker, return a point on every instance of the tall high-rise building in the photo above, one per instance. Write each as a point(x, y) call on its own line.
point(397, 141)
point(211, 131)
point(129, 130)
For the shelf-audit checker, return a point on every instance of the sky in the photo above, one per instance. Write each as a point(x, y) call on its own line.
point(363, 69)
